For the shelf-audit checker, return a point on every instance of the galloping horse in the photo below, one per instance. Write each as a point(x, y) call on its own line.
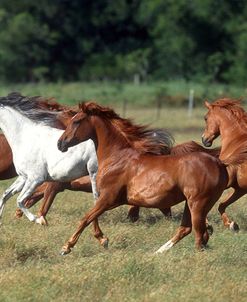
point(47, 190)
point(180, 149)
point(227, 119)
point(22, 120)
point(131, 172)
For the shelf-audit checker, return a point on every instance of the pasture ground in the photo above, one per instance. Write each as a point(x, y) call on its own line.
point(31, 268)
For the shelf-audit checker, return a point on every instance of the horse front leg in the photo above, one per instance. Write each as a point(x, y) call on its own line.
point(98, 234)
point(26, 192)
point(231, 198)
point(182, 231)
point(133, 213)
point(34, 198)
point(103, 204)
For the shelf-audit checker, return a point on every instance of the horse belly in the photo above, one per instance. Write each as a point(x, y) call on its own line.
point(67, 172)
point(158, 194)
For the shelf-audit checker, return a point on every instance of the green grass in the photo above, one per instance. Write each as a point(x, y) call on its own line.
point(173, 93)
point(31, 268)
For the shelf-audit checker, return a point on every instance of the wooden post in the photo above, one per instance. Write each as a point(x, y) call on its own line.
point(124, 107)
point(191, 103)
point(158, 110)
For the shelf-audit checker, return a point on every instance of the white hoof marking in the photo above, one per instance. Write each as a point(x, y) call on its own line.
point(169, 244)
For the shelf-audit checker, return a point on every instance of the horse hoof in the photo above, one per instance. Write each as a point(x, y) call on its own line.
point(65, 251)
point(18, 213)
point(104, 242)
point(41, 220)
point(210, 229)
point(133, 218)
point(33, 218)
point(234, 226)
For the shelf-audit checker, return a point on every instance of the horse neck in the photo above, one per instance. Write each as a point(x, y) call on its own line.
point(232, 135)
point(106, 139)
point(12, 123)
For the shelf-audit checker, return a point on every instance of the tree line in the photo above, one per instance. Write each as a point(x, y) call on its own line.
point(71, 40)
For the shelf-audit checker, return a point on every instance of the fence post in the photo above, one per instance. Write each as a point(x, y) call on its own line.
point(191, 103)
point(124, 107)
point(158, 108)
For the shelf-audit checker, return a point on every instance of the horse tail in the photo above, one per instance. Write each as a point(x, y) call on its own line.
point(162, 139)
point(192, 146)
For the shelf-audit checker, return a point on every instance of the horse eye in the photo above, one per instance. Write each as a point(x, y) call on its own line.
point(205, 118)
point(77, 122)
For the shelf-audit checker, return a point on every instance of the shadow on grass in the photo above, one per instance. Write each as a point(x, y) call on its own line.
point(25, 254)
point(147, 217)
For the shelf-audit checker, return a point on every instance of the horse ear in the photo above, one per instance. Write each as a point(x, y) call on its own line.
point(207, 104)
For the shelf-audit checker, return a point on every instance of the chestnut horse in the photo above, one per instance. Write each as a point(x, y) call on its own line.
point(7, 168)
point(227, 119)
point(184, 148)
point(49, 190)
point(131, 171)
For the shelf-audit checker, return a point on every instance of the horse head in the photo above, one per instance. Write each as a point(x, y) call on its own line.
point(212, 130)
point(78, 129)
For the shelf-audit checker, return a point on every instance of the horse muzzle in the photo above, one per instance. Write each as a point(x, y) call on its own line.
point(206, 142)
point(62, 145)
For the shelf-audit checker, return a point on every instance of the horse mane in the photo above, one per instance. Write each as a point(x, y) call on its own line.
point(38, 109)
point(192, 146)
point(143, 139)
point(234, 107)
point(240, 116)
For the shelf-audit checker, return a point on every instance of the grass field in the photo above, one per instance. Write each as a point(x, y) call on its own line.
point(172, 93)
point(31, 268)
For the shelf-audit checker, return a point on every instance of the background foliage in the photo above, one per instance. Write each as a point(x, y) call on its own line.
point(123, 40)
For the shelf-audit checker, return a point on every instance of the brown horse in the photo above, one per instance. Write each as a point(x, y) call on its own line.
point(227, 119)
point(49, 190)
point(7, 169)
point(180, 149)
point(131, 172)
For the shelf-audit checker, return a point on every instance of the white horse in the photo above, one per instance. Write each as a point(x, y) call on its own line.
point(33, 141)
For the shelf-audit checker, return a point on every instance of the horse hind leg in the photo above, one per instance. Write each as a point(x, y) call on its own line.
point(182, 231)
point(16, 187)
point(199, 210)
point(231, 198)
point(50, 192)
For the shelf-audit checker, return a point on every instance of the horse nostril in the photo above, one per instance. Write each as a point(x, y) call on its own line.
point(206, 142)
point(59, 143)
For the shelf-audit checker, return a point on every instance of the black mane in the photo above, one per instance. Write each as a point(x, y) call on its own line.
point(30, 107)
